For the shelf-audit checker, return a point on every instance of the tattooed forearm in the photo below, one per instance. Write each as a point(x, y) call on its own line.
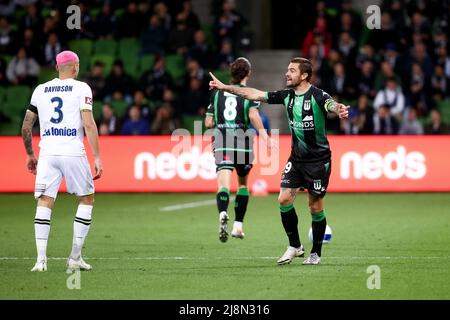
point(27, 128)
point(331, 106)
point(247, 93)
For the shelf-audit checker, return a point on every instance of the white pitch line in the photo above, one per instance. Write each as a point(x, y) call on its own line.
point(188, 205)
point(231, 258)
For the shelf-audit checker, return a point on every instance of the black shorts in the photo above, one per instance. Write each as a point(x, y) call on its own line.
point(313, 176)
point(229, 160)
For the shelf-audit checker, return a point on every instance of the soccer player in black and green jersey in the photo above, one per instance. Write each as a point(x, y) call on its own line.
point(309, 165)
point(231, 115)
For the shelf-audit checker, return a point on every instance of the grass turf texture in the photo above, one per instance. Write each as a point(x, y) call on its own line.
point(133, 246)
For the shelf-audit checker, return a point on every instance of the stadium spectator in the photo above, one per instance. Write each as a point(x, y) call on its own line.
point(131, 22)
point(195, 100)
point(22, 70)
point(96, 80)
point(31, 44)
point(48, 27)
point(386, 72)
point(162, 12)
point(194, 70)
point(225, 55)
point(228, 24)
point(165, 123)
point(319, 36)
point(87, 23)
point(51, 48)
point(154, 81)
point(410, 125)
point(387, 33)
point(141, 103)
point(119, 81)
point(418, 85)
point(179, 39)
point(105, 24)
point(200, 50)
point(135, 125)
point(340, 83)
point(109, 120)
point(383, 121)
point(346, 46)
point(420, 56)
point(366, 82)
point(7, 37)
point(153, 38)
point(440, 85)
point(391, 99)
point(188, 16)
point(32, 19)
point(435, 126)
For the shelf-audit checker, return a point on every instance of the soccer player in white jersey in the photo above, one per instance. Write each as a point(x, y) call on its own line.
point(64, 108)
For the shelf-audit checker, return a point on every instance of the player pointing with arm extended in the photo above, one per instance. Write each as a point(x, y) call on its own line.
point(64, 108)
point(309, 165)
point(231, 115)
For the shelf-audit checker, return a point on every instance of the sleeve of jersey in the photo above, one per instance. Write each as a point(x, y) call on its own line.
point(255, 104)
point(86, 98)
point(210, 109)
point(276, 97)
point(325, 100)
point(34, 101)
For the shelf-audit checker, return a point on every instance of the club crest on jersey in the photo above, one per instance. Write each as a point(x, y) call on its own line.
point(88, 100)
point(307, 105)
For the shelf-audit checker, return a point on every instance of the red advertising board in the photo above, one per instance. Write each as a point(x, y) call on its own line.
point(186, 164)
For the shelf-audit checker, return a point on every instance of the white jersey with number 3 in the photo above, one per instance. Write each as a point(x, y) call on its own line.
point(59, 104)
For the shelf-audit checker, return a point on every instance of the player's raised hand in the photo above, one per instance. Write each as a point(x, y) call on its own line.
point(32, 164)
point(342, 111)
point(98, 169)
point(215, 83)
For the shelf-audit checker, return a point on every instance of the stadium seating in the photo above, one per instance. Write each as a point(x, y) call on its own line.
point(444, 108)
point(223, 75)
point(107, 60)
point(47, 74)
point(146, 63)
point(83, 47)
point(175, 66)
point(105, 46)
point(189, 123)
point(97, 109)
point(120, 107)
point(17, 99)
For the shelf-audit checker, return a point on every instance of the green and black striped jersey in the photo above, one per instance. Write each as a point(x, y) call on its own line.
point(307, 115)
point(231, 118)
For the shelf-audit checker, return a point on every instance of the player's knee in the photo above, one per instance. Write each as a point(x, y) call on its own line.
point(315, 206)
point(285, 199)
point(87, 200)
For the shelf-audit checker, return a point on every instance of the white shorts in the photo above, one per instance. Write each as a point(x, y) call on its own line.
point(51, 170)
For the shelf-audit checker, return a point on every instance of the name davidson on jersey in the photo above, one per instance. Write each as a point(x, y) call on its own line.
point(306, 124)
point(60, 132)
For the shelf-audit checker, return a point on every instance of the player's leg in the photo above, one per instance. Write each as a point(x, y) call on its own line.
point(318, 225)
point(79, 181)
point(223, 199)
point(241, 201)
point(48, 179)
point(289, 185)
point(317, 176)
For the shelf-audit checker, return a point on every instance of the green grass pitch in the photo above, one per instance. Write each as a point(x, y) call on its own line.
point(140, 252)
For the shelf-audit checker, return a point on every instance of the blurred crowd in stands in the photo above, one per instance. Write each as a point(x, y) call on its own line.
point(147, 62)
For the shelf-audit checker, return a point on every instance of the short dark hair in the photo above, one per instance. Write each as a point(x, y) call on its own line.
point(239, 69)
point(305, 66)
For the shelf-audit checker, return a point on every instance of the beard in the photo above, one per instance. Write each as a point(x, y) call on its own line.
point(293, 83)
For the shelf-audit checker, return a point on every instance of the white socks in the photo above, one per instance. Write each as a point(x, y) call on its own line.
point(237, 225)
point(41, 231)
point(80, 229)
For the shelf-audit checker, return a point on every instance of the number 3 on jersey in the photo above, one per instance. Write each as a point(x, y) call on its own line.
point(59, 104)
point(230, 109)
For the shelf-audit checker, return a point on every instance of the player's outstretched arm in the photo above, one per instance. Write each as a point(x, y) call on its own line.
point(209, 122)
point(245, 92)
point(27, 136)
point(92, 135)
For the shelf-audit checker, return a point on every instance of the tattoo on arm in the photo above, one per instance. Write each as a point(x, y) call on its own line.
point(27, 127)
point(331, 106)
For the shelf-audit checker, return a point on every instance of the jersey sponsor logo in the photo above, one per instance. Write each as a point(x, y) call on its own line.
point(58, 89)
point(88, 100)
point(394, 165)
point(306, 124)
point(307, 105)
point(60, 132)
